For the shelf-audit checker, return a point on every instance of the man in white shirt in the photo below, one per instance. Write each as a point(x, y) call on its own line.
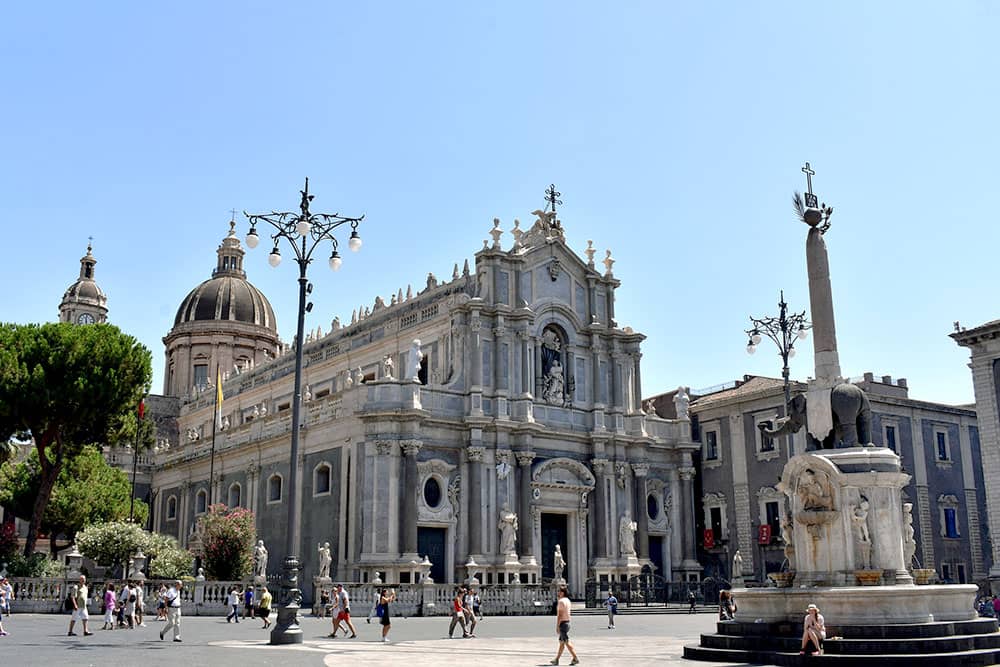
point(172, 599)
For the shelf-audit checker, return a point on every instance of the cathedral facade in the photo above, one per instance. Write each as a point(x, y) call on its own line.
point(473, 425)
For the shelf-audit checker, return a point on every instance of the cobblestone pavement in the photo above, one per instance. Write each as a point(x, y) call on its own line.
point(40, 639)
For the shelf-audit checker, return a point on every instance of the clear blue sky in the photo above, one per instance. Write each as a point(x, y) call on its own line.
point(674, 131)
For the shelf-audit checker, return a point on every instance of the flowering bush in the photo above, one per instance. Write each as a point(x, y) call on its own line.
point(114, 543)
point(228, 536)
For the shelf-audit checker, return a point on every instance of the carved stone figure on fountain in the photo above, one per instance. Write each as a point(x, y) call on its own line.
point(787, 536)
point(508, 531)
point(862, 537)
point(815, 492)
point(851, 419)
point(909, 543)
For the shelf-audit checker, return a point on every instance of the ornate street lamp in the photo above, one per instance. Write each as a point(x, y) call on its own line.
point(785, 330)
point(304, 231)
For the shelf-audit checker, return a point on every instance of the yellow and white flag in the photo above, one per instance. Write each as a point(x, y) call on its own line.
point(218, 397)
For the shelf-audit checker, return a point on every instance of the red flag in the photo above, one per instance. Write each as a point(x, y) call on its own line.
point(709, 538)
point(764, 534)
point(142, 408)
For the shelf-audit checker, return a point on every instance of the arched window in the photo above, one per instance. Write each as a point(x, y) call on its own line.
point(274, 488)
point(321, 479)
point(235, 496)
point(172, 508)
point(201, 502)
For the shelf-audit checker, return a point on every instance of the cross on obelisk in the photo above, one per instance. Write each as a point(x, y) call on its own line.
point(552, 198)
point(811, 199)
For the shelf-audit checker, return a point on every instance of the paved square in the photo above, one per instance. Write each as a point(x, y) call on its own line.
point(640, 641)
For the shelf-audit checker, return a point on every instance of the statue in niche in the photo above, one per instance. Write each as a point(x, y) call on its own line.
point(260, 559)
point(413, 361)
point(558, 564)
point(554, 393)
point(324, 560)
point(626, 535)
point(307, 395)
point(551, 350)
point(387, 366)
point(862, 537)
point(815, 492)
point(508, 530)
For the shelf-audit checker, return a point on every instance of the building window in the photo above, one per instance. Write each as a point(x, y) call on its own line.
point(274, 488)
point(890, 437)
point(773, 516)
point(943, 447)
point(201, 502)
point(948, 513)
point(946, 573)
point(172, 508)
point(200, 375)
point(321, 479)
point(711, 445)
point(714, 505)
point(432, 492)
point(767, 448)
point(766, 442)
point(235, 495)
point(715, 515)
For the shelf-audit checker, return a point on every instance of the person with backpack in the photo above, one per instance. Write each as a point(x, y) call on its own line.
point(172, 600)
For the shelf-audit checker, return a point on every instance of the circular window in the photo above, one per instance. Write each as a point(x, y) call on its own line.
point(432, 492)
point(653, 507)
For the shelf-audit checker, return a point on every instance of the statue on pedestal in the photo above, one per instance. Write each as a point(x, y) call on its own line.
point(324, 560)
point(909, 544)
point(626, 535)
point(508, 530)
point(737, 565)
point(413, 361)
point(260, 559)
point(558, 564)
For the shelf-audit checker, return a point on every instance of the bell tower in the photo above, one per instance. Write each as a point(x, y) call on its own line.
point(84, 302)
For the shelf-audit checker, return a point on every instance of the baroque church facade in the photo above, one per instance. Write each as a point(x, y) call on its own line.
point(476, 424)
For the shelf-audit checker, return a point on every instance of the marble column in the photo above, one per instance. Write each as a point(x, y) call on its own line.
point(600, 506)
point(475, 507)
point(182, 529)
point(524, 461)
point(687, 518)
point(641, 470)
point(408, 504)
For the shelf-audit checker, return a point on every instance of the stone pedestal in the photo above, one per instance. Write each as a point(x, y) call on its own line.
point(320, 584)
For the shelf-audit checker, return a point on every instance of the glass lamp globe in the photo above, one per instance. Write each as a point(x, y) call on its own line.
point(791, 353)
point(755, 338)
point(751, 348)
point(275, 257)
point(802, 333)
point(354, 243)
point(252, 239)
point(303, 227)
point(335, 261)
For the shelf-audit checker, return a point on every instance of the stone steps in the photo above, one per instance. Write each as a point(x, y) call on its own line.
point(973, 658)
point(953, 644)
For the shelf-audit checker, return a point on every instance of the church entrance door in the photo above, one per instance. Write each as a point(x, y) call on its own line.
point(656, 554)
point(554, 531)
point(430, 543)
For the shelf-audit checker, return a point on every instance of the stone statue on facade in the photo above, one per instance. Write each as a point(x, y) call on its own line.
point(324, 560)
point(260, 559)
point(307, 395)
point(626, 535)
point(681, 403)
point(413, 361)
point(508, 530)
point(387, 366)
point(558, 564)
point(553, 392)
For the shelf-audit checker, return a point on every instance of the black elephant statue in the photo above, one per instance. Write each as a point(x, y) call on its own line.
point(852, 419)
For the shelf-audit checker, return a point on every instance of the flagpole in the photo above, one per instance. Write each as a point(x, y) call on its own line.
point(135, 461)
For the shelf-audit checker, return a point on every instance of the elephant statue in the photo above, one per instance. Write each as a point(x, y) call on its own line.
point(852, 420)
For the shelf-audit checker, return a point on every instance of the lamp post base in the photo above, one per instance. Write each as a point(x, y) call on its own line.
point(286, 627)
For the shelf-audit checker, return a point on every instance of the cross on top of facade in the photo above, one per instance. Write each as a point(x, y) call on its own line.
point(90, 244)
point(811, 200)
point(552, 198)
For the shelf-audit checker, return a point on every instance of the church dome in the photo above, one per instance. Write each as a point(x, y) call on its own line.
point(84, 301)
point(227, 295)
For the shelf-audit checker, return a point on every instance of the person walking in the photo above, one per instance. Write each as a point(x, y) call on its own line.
point(387, 598)
point(248, 602)
point(612, 604)
point(457, 615)
point(129, 599)
point(140, 602)
point(110, 602)
point(234, 605)
point(172, 600)
point(161, 606)
point(813, 631)
point(692, 601)
point(470, 613)
point(335, 617)
point(344, 609)
point(7, 592)
point(563, 613)
point(264, 611)
point(4, 604)
point(79, 601)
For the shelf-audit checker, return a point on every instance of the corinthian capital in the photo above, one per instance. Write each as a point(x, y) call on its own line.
point(411, 447)
point(640, 469)
point(383, 447)
point(687, 474)
point(475, 454)
point(525, 458)
point(600, 466)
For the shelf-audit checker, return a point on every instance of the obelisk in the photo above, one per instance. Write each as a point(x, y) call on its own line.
point(827, 373)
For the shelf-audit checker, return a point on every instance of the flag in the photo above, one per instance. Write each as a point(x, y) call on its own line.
point(218, 397)
point(142, 408)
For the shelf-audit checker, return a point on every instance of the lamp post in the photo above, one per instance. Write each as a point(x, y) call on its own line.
point(785, 330)
point(304, 231)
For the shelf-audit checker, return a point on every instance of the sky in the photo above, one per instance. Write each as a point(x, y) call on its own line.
point(675, 132)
